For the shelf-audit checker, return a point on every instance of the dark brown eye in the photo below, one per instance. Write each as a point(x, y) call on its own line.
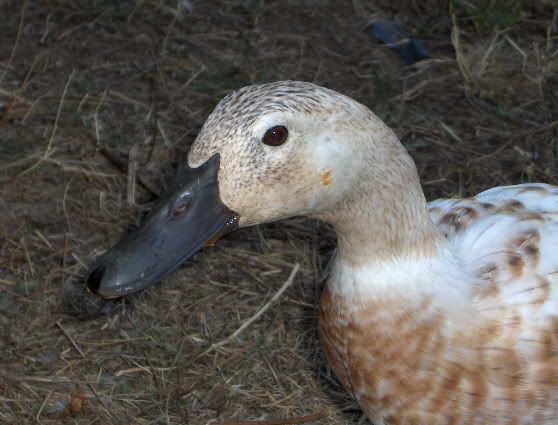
point(275, 136)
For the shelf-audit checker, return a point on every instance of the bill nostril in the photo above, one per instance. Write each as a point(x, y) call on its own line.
point(94, 279)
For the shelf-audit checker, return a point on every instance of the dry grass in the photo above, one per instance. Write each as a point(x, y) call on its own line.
point(79, 79)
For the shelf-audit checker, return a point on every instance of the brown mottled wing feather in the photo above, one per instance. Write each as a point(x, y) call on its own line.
point(508, 236)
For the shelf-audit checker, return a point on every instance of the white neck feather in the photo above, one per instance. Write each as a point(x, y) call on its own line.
point(388, 248)
point(407, 280)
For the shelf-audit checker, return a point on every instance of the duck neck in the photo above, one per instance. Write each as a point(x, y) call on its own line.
point(400, 265)
point(388, 246)
point(384, 216)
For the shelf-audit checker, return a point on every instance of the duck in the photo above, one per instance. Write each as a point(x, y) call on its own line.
point(433, 313)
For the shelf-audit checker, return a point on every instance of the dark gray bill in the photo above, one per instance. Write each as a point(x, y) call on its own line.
point(180, 225)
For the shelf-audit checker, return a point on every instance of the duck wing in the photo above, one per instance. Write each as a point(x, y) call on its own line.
point(507, 234)
point(507, 238)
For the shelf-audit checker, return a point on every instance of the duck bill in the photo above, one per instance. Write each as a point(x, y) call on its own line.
point(186, 220)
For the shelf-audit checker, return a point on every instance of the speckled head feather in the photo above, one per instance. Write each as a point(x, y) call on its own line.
point(251, 170)
point(235, 118)
point(239, 110)
point(337, 151)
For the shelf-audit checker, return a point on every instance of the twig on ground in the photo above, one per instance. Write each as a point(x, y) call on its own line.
point(46, 154)
point(43, 404)
point(290, 421)
point(96, 118)
point(67, 335)
point(121, 164)
point(18, 36)
point(142, 369)
point(257, 315)
point(203, 376)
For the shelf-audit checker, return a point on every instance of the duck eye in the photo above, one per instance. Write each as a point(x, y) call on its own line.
point(182, 207)
point(275, 136)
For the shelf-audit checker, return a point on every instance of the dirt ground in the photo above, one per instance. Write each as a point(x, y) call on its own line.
point(95, 93)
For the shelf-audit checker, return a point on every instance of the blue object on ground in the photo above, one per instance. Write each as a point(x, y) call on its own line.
point(399, 39)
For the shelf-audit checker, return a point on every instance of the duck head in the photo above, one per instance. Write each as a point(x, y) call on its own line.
point(267, 152)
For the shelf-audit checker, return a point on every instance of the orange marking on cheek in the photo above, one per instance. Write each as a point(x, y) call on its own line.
point(326, 178)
